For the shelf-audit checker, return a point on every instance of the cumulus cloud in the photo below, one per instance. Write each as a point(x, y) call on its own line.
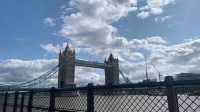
point(180, 57)
point(86, 75)
point(162, 19)
point(49, 21)
point(51, 48)
point(16, 70)
point(55, 48)
point(93, 27)
point(91, 24)
point(153, 7)
point(143, 14)
point(169, 60)
point(90, 30)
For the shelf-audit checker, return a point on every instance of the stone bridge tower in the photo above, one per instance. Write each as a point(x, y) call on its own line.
point(112, 71)
point(67, 62)
point(67, 68)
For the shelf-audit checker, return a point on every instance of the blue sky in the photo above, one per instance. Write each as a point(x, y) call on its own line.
point(22, 28)
point(183, 24)
point(166, 31)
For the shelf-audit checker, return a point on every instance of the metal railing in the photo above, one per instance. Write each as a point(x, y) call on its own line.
point(167, 96)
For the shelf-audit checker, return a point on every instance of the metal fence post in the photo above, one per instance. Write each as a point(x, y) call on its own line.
point(5, 101)
point(15, 102)
point(30, 101)
point(90, 98)
point(171, 95)
point(52, 100)
point(22, 102)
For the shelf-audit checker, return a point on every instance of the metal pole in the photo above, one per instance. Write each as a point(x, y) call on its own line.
point(5, 101)
point(171, 95)
point(22, 102)
point(146, 70)
point(90, 98)
point(30, 101)
point(15, 102)
point(52, 100)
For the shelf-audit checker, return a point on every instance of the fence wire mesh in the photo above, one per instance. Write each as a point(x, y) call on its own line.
point(131, 100)
point(116, 99)
point(189, 98)
point(74, 101)
point(40, 100)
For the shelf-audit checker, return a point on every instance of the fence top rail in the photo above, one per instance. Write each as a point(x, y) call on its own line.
point(136, 85)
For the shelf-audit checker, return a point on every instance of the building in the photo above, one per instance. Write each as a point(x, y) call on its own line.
point(187, 76)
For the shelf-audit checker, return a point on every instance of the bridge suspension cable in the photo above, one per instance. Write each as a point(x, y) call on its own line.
point(159, 74)
point(126, 79)
point(42, 77)
point(47, 75)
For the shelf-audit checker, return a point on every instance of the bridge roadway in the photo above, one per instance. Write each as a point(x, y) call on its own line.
point(93, 64)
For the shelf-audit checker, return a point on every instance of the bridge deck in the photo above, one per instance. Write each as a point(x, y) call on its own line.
point(93, 64)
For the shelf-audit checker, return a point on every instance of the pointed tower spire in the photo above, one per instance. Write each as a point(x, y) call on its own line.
point(111, 57)
point(105, 60)
point(60, 52)
point(60, 57)
point(67, 47)
point(74, 51)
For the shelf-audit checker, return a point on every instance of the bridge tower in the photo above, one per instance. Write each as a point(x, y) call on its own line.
point(67, 68)
point(112, 71)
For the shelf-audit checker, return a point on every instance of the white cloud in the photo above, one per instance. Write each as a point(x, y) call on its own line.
point(156, 6)
point(55, 49)
point(88, 75)
point(49, 22)
point(90, 30)
point(15, 70)
point(162, 19)
point(166, 18)
point(51, 48)
point(143, 14)
point(156, 40)
point(169, 60)
point(153, 7)
point(93, 27)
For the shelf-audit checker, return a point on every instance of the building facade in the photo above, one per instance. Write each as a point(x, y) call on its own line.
point(187, 76)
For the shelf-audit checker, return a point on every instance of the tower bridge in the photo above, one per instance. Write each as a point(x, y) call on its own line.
point(66, 74)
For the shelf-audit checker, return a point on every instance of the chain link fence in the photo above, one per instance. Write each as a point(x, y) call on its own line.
point(130, 100)
point(188, 98)
point(167, 96)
